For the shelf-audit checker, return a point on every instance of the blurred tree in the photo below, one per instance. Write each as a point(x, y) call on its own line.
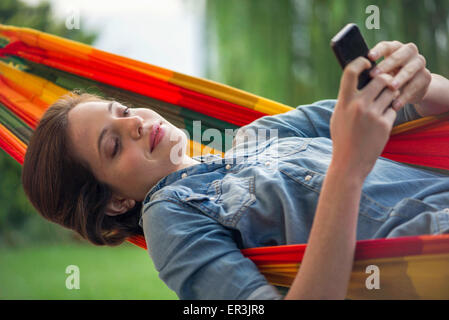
point(41, 17)
point(19, 222)
point(280, 49)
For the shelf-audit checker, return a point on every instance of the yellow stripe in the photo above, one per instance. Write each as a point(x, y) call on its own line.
point(215, 89)
point(45, 90)
point(410, 277)
point(418, 123)
point(228, 93)
point(430, 275)
point(204, 86)
point(195, 148)
point(271, 107)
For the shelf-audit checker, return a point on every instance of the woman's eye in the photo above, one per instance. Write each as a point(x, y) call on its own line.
point(116, 144)
point(116, 140)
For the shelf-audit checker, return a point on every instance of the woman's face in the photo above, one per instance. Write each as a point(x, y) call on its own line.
point(125, 148)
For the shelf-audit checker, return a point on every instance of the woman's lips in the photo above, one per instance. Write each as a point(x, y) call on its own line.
point(156, 136)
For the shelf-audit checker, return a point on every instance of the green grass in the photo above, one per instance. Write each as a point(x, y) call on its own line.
point(124, 272)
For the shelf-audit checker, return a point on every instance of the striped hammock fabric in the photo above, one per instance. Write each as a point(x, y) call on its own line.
point(37, 68)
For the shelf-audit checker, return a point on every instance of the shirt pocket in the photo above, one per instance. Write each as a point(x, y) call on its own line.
point(372, 215)
point(226, 199)
point(373, 210)
point(288, 147)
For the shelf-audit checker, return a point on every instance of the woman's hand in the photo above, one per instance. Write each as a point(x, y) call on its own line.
point(362, 119)
point(407, 66)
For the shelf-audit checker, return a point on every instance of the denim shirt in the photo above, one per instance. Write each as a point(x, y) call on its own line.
point(197, 219)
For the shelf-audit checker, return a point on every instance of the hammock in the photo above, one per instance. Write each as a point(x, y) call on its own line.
point(37, 68)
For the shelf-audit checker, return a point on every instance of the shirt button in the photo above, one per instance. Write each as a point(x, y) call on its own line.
point(228, 166)
point(308, 177)
point(183, 175)
point(267, 163)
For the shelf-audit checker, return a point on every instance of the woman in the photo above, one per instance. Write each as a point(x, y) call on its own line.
point(108, 172)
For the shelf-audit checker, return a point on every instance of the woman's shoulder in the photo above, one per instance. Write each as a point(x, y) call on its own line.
point(167, 205)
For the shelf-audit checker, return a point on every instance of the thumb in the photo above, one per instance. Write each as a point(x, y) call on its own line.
point(350, 77)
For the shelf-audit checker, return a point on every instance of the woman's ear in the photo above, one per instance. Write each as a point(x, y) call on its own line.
point(119, 205)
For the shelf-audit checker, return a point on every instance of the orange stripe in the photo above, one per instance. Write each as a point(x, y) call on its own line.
point(12, 140)
point(20, 106)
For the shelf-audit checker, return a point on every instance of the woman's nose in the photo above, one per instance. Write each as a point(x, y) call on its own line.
point(133, 126)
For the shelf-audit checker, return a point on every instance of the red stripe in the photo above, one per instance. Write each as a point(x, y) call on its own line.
point(138, 241)
point(12, 152)
point(141, 83)
point(425, 146)
point(365, 249)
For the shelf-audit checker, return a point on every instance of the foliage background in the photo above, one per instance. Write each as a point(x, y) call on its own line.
point(275, 49)
point(19, 223)
point(280, 49)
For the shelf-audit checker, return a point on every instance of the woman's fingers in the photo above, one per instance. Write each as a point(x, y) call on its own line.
point(383, 49)
point(350, 77)
point(384, 100)
point(408, 71)
point(376, 85)
point(408, 68)
point(398, 58)
point(390, 116)
point(415, 87)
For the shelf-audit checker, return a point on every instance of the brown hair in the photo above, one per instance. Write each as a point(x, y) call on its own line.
point(63, 188)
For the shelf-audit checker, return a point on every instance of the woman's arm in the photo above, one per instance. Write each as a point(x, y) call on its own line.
point(436, 100)
point(196, 256)
point(328, 260)
point(360, 127)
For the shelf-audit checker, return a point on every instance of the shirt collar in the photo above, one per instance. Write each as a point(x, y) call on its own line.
point(208, 162)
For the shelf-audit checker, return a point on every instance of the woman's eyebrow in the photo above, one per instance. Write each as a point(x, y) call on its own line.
point(104, 131)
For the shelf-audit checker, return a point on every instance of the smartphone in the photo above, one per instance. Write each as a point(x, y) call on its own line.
point(348, 44)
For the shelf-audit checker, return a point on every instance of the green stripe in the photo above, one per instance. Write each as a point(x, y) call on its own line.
point(180, 117)
point(14, 124)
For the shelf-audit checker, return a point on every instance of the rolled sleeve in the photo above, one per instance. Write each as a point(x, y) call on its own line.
point(405, 114)
point(303, 121)
point(197, 257)
point(311, 121)
point(265, 292)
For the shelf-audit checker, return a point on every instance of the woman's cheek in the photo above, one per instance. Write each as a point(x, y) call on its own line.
point(134, 160)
